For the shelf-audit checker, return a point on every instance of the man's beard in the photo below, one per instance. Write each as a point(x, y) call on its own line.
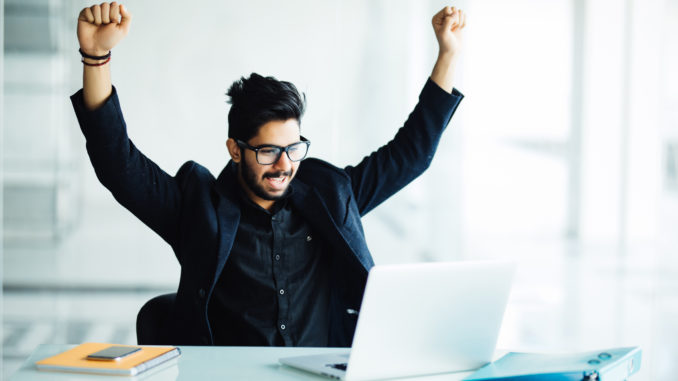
point(252, 182)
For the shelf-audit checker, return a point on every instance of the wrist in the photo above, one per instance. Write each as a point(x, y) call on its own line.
point(95, 61)
point(443, 71)
point(94, 52)
point(447, 57)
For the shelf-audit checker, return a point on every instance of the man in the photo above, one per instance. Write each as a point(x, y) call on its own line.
point(272, 252)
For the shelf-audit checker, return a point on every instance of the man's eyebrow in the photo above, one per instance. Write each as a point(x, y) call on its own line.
point(276, 145)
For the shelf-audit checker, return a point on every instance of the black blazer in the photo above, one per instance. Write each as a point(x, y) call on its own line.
point(198, 215)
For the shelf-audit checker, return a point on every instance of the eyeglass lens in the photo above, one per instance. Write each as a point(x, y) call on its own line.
point(269, 155)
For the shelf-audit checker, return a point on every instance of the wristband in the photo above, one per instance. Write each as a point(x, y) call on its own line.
point(98, 58)
point(98, 63)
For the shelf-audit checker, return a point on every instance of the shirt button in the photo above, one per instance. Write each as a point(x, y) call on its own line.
point(282, 326)
point(282, 291)
point(273, 218)
point(277, 257)
point(308, 238)
point(201, 293)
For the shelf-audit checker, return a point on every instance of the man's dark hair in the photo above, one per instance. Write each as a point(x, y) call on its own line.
point(258, 100)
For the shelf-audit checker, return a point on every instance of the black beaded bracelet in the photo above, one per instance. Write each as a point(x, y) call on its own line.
point(96, 64)
point(85, 55)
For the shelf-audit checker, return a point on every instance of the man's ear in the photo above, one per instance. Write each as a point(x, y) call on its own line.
point(233, 150)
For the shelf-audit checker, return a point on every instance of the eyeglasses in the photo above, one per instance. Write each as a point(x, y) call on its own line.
point(268, 154)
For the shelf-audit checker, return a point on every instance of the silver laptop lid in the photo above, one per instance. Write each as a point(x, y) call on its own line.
point(429, 318)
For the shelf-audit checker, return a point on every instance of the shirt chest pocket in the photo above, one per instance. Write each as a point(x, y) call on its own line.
point(301, 253)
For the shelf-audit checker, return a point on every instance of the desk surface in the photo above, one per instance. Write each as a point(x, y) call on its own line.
point(205, 363)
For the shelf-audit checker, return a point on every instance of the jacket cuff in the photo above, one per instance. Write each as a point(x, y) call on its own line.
point(96, 124)
point(440, 99)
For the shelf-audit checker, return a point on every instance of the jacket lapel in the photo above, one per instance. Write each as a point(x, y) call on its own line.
point(228, 215)
point(308, 203)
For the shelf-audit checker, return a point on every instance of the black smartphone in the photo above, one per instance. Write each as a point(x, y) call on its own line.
point(114, 352)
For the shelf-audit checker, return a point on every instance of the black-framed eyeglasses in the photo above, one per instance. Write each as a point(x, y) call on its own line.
point(268, 154)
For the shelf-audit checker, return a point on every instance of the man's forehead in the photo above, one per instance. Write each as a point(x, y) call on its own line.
point(277, 132)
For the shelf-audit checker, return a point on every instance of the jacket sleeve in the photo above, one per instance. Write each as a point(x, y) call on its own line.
point(394, 165)
point(135, 181)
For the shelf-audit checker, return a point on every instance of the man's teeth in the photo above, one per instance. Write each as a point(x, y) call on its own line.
point(278, 179)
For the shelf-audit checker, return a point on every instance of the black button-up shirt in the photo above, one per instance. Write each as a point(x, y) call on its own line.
point(274, 289)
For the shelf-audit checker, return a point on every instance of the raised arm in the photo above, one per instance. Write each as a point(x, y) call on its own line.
point(394, 165)
point(135, 181)
point(100, 28)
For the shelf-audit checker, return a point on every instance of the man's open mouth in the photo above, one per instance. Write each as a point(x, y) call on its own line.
point(278, 182)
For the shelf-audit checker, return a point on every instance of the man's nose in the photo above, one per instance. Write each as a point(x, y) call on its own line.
point(284, 163)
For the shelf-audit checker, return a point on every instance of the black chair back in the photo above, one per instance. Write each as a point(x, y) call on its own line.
point(153, 321)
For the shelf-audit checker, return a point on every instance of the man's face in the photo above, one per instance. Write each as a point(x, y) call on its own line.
point(266, 183)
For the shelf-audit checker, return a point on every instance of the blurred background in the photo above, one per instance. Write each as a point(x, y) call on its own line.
point(563, 156)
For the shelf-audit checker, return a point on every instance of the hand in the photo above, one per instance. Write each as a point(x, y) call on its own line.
point(101, 27)
point(447, 25)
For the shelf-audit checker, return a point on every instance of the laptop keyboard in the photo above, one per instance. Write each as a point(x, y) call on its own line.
point(341, 366)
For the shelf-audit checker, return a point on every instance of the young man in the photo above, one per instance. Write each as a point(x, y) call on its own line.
point(272, 252)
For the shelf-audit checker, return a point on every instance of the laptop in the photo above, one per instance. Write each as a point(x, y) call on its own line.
point(421, 319)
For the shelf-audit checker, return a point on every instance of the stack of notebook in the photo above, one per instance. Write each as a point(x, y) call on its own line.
point(77, 360)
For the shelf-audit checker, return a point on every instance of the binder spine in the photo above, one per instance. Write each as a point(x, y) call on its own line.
point(621, 369)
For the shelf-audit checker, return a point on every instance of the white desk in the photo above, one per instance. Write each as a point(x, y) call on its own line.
point(204, 363)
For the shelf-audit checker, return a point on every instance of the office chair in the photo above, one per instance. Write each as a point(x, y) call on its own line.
point(152, 321)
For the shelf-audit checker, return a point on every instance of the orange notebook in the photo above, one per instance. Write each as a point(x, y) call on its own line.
point(75, 360)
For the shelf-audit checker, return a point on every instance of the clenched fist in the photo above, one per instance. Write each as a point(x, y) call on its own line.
point(101, 27)
point(447, 25)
